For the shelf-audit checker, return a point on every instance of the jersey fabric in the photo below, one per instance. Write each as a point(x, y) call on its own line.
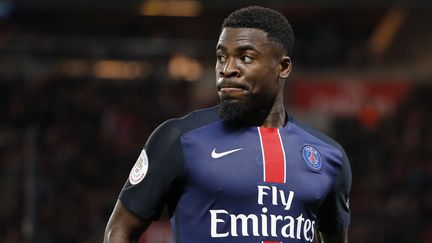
point(228, 183)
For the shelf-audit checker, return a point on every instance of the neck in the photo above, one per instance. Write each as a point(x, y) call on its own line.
point(271, 116)
point(276, 117)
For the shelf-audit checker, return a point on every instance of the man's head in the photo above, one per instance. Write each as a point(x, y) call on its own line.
point(252, 63)
point(268, 20)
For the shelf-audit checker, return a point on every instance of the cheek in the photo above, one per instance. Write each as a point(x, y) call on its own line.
point(217, 68)
point(264, 78)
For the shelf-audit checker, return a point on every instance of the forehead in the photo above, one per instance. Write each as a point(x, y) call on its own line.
point(237, 37)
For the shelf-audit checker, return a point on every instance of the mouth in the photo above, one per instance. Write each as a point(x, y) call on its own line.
point(227, 86)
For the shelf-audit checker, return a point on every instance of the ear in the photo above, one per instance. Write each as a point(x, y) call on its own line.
point(285, 67)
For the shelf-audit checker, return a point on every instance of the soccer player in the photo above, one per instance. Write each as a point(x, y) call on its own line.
point(245, 170)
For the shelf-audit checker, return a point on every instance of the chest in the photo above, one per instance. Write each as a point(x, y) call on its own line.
point(262, 167)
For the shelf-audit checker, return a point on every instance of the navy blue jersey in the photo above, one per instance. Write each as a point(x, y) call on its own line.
point(228, 183)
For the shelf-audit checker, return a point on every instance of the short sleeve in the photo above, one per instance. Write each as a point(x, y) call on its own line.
point(334, 213)
point(155, 178)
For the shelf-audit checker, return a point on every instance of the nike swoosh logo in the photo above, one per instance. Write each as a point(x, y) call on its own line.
point(216, 155)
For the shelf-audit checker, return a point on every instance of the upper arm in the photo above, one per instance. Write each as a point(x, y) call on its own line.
point(124, 226)
point(148, 187)
point(153, 182)
point(334, 213)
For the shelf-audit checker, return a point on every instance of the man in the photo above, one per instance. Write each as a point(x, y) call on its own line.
point(243, 171)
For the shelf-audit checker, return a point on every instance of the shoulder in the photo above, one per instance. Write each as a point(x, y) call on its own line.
point(176, 127)
point(318, 138)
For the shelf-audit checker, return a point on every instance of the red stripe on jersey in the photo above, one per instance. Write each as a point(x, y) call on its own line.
point(273, 155)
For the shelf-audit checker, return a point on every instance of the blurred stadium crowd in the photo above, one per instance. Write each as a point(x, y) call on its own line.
point(391, 197)
point(84, 137)
point(69, 134)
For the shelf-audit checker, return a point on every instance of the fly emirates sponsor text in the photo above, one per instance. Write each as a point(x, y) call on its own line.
point(286, 226)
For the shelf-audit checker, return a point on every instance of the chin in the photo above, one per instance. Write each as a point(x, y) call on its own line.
point(233, 110)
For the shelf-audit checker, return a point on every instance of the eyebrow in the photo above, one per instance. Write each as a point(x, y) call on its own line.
point(220, 47)
point(242, 48)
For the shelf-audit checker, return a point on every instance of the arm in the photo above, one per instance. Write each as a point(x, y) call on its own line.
point(148, 188)
point(123, 226)
point(333, 238)
point(334, 213)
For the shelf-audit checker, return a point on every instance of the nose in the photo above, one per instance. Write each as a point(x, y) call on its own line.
point(229, 69)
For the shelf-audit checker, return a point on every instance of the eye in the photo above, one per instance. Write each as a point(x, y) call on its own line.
point(246, 59)
point(221, 58)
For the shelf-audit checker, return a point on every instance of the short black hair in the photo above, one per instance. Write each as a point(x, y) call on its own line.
point(276, 26)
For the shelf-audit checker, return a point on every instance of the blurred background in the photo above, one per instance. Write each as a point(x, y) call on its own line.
point(83, 84)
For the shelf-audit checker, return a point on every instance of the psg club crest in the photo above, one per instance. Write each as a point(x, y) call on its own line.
point(312, 157)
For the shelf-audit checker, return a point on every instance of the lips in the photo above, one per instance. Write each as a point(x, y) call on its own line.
point(231, 86)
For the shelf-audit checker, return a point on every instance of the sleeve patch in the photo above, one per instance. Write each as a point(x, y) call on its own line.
point(140, 169)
